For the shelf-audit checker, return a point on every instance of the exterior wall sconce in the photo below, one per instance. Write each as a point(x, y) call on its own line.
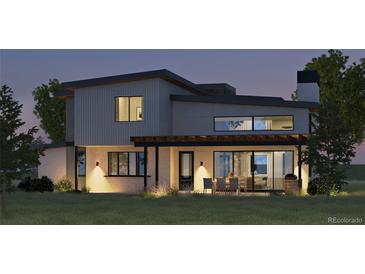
point(97, 163)
point(201, 163)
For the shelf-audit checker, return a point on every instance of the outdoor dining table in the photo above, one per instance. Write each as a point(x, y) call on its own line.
point(226, 180)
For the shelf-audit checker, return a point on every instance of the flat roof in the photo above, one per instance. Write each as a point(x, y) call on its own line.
point(57, 145)
point(246, 100)
point(220, 140)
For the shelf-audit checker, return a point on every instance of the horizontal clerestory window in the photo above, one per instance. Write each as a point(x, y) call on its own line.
point(128, 108)
point(252, 123)
point(125, 164)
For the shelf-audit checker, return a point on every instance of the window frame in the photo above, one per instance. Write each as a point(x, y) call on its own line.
point(253, 122)
point(79, 152)
point(263, 116)
point(129, 108)
point(215, 129)
point(252, 154)
point(137, 159)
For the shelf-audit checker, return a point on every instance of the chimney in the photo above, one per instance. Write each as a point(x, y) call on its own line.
point(308, 86)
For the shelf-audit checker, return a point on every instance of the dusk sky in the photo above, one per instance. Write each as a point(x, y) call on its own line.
point(252, 72)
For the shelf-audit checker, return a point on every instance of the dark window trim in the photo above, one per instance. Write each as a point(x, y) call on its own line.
point(78, 168)
point(118, 154)
point(252, 151)
point(192, 165)
point(253, 123)
point(129, 108)
point(230, 117)
point(137, 176)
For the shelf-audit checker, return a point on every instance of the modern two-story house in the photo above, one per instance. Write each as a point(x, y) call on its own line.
point(127, 133)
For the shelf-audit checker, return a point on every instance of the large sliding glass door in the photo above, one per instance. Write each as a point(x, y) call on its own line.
point(257, 170)
point(283, 164)
point(263, 174)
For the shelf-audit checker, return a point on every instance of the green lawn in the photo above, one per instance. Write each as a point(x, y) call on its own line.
point(73, 208)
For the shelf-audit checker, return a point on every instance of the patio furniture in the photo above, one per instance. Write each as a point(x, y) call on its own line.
point(242, 183)
point(221, 185)
point(233, 184)
point(208, 184)
point(292, 185)
point(249, 183)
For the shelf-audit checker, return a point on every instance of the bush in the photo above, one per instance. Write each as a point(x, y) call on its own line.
point(64, 185)
point(157, 192)
point(312, 188)
point(36, 184)
point(44, 184)
point(26, 184)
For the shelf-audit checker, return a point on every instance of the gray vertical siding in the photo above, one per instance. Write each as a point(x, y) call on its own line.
point(95, 125)
point(190, 118)
point(94, 113)
point(166, 89)
point(70, 125)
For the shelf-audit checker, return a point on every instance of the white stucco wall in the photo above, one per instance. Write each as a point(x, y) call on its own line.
point(98, 181)
point(53, 163)
point(205, 155)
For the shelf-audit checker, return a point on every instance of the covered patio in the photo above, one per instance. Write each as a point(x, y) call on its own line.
point(258, 162)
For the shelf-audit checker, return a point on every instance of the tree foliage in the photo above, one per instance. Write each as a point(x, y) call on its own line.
point(19, 152)
point(340, 123)
point(50, 110)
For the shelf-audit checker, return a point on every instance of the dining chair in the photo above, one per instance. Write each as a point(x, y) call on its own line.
point(208, 184)
point(221, 184)
point(233, 184)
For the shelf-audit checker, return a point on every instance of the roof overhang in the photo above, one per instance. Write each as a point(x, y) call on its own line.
point(110, 80)
point(220, 140)
point(246, 100)
point(58, 145)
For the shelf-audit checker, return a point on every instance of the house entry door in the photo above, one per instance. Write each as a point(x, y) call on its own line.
point(186, 170)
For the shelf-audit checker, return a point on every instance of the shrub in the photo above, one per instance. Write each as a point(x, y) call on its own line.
point(318, 186)
point(36, 184)
point(64, 185)
point(157, 192)
point(312, 188)
point(44, 184)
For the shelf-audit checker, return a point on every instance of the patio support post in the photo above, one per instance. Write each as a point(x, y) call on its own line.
point(300, 163)
point(156, 165)
point(145, 168)
point(253, 168)
point(76, 162)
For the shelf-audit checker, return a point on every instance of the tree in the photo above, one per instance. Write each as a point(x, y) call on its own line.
point(340, 123)
point(19, 151)
point(50, 110)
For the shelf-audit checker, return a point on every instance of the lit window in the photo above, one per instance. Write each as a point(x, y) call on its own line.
point(250, 123)
point(232, 123)
point(81, 163)
point(129, 109)
point(273, 123)
point(125, 163)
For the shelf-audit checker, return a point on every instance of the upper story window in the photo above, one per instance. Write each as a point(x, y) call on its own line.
point(273, 123)
point(232, 123)
point(253, 123)
point(129, 108)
